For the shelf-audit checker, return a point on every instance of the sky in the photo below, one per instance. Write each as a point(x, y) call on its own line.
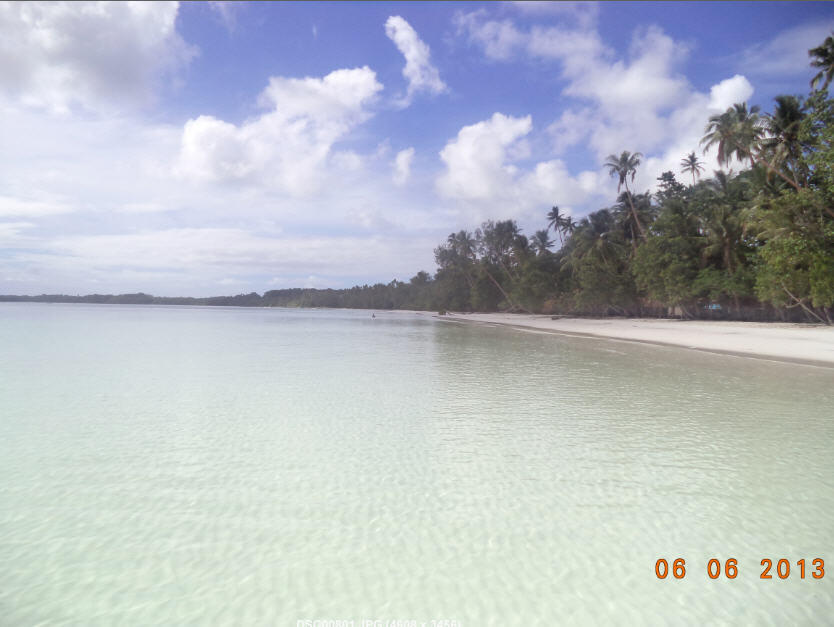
point(220, 148)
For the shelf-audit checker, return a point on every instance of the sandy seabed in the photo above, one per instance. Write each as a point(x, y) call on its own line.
point(802, 343)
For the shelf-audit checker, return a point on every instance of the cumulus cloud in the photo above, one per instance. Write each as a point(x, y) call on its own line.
point(483, 173)
point(628, 96)
point(107, 200)
point(97, 55)
point(571, 127)
point(421, 75)
point(648, 79)
point(638, 102)
point(500, 39)
point(109, 215)
point(575, 45)
point(476, 159)
point(728, 92)
point(685, 128)
point(287, 147)
point(402, 165)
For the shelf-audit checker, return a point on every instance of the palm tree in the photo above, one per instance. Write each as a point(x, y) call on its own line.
point(499, 242)
point(693, 165)
point(568, 226)
point(595, 237)
point(723, 224)
point(520, 249)
point(720, 131)
point(824, 59)
point(554, 221)
point(783, 127)
point(561, 224)
point(459, 253)
point(623, 166)
point(643, 211)
point(540, 242)
point(738, 133)
point(463, 244)
point(748, 131)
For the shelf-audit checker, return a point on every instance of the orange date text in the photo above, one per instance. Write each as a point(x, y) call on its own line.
point(783, 568)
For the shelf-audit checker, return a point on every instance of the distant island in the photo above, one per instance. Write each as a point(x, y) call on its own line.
point(367, 297)
point(753, 245)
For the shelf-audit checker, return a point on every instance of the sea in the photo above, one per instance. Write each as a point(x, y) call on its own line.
point(165, 465)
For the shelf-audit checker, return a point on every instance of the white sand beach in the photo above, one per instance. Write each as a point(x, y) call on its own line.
point(803, 343)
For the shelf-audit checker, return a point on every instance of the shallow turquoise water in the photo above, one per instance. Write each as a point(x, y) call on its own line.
point(165, 465)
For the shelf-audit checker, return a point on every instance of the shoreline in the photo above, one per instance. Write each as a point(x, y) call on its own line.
point(787, 342)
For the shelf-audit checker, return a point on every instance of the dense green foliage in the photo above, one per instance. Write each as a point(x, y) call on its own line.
point(758, 244)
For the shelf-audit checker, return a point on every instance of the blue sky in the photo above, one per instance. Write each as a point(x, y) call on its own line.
point(219, 148)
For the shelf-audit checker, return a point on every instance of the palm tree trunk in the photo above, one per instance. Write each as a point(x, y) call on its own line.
point(504, 293)
point(755, 160)
point(801, 303)
point(507, 270)
point(634, 213)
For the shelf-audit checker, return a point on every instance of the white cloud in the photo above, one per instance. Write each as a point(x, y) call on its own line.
point(421, 75)
point(476, 159)
point(571, 127)
point(550, 181)
point(647, 80)
point(402, 165)
point(786, 54)
point(97, 55)
point(499, 39)
point(685, 128)
point(728, 92)
point(109, 216)
point(575, 46)
point(577, 49)
point(640, 102)
point(623, 100)
point(483, 174)
point(289, 147)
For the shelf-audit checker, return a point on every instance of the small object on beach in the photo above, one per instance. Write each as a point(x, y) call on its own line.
point(373, 315)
